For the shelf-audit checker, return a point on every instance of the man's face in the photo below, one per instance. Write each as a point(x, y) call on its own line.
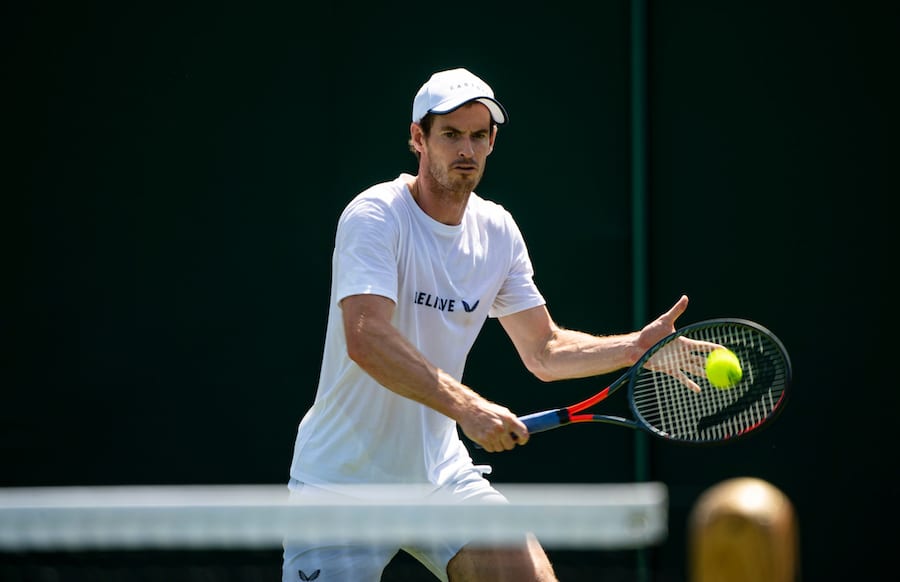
point(458, 146)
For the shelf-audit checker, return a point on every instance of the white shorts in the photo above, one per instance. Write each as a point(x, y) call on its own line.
point(366, 563)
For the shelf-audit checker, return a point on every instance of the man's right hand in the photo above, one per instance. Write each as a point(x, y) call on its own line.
point(493, 427)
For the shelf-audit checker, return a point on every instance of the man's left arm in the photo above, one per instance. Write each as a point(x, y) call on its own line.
point(554, 353)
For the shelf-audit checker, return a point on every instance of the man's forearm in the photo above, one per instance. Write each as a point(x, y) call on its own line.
point(574, 354)
point(383, 353)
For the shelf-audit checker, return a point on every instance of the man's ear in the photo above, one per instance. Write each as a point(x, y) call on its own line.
point(416, 136)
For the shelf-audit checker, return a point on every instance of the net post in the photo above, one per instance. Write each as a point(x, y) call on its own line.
point(743, 528)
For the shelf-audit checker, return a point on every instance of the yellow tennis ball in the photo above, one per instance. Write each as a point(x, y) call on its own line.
point(723, 369)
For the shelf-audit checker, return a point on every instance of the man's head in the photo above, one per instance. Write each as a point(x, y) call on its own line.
point(455, 119)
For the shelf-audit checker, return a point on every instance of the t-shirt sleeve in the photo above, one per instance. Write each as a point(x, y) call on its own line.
point(365, 251)
point(518, 291)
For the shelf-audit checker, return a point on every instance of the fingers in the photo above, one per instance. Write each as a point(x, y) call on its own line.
point(503, 442)
point(701, 346)
point(519, 434)
point(675, 312)
point(689, 383)
point(514, 434)
point(696, 366)
point(499, 430)
point(681, 374)
point(681, 361)
point(510, 440)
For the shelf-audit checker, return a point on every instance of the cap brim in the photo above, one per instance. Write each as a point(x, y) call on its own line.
point(498, 112)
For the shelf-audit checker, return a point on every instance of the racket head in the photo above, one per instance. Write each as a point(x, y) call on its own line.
point(665, 407)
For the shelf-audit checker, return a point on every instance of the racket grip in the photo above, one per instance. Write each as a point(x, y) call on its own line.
point(541, 421)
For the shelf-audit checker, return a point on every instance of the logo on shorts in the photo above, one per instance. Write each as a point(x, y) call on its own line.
point(306, 577)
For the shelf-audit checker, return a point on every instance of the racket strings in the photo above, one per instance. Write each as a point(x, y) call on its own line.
point(674, 411)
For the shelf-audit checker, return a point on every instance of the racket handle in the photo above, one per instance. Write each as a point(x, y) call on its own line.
point(541, 421)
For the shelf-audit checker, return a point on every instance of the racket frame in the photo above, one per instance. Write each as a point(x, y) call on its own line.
point(572, 414)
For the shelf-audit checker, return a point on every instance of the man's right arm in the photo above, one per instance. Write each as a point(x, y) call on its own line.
point(377, 347)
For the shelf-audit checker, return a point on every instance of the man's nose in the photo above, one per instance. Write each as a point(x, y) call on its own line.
point(466, 148)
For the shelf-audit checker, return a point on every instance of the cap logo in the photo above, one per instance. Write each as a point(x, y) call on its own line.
point(465, 84)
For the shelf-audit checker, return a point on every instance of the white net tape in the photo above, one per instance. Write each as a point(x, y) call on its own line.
point(613, 516)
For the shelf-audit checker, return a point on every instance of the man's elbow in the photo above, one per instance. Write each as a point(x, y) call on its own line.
point(538, 367)
point(359, 350)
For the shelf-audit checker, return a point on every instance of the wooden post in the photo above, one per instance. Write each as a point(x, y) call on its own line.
point(743, 530)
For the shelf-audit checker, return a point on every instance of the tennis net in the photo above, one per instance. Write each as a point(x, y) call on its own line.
point(566, 516)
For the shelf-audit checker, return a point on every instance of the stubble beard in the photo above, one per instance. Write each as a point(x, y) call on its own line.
point(457, 187)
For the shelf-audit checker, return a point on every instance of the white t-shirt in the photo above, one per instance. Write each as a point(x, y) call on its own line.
point(445, 281)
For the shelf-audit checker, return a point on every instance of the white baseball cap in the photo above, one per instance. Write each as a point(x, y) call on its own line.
point(448, 90)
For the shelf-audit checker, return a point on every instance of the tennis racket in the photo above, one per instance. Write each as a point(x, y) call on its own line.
point(662, 403)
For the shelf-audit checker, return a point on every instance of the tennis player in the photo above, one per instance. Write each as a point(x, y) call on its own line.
point(420, 262)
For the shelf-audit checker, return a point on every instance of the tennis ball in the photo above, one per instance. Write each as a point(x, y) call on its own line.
point(723, 368)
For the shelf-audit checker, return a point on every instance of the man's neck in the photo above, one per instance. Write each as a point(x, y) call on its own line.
point(445, 206)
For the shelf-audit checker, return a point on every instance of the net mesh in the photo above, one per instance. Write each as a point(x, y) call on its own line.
point(263, 516)
point(235, 533)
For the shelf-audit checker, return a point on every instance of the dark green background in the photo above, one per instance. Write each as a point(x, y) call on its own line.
point(176, 174)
